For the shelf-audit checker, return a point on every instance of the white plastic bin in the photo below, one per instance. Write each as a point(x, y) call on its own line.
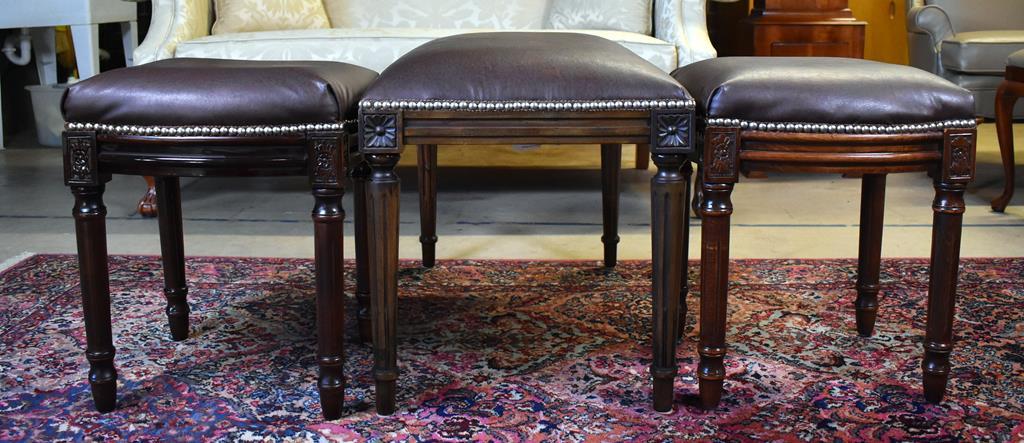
point(46, 107)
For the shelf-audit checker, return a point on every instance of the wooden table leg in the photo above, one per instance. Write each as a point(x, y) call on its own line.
point(1006, 97)
point(360, 173)
point(427, 173)
point(172, 252)
point(91, 231)
point(382, 207)
point(668, 210)
point(611, 162)
point(872, 210)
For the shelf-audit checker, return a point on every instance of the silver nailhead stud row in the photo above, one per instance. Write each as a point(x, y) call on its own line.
point(842, 129)
point(214, 131)
point(448, 105)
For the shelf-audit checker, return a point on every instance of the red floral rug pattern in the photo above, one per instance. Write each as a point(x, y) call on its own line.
point(511, 351)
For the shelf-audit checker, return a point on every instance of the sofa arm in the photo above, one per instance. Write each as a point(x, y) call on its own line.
point(173, 22)
point(927, 26)
point(684, 24)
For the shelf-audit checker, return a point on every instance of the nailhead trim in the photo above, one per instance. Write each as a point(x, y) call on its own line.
point(211, 131)
point(479, 106)
point(842, 129)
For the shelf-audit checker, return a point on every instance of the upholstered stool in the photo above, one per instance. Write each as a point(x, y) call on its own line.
point(521, 88)
point(1007, 95)
point(831, 115)
point(192, 118)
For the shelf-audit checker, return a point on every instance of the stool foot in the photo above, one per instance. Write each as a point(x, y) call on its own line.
point(172, 253)
point(611, 163)
point(664, 392)
point(427, 173)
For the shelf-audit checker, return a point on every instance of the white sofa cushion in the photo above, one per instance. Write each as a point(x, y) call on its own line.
point(443, 14)
point(618, 15)
point(376, 48)
point(268, 15)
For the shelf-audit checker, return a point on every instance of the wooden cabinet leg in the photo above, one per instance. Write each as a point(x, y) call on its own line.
point(611, 162)
point(668, 189)
point(147, 204)
point(360, 172)
point(91, 232)
point(1006, 98)
point(945, 261)
point(382, 207)
point(872, 209)
point(172, 252)
point(643, 157)
point(427, 172)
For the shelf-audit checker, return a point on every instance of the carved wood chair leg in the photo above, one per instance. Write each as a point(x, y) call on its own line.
point(668, 189)
point(382, 208)
point(427, 172)
point(90, 229)
point(172, 252)
point(643, 157)
point(611, 162)
point(1005, 101)
point(684, 285)
point(147, 204)
point(872, 209)
point(360, 172)
point(329, 263)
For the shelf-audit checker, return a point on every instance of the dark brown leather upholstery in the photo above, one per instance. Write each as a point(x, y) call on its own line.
point(182, 92)
point(506, 66)
point(822, 90)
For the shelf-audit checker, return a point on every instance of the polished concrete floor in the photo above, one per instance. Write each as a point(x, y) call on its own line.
point(504, 202)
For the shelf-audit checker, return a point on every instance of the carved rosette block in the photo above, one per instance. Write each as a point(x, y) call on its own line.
point(720, 154)
point(672, 131)
point(958, 155)
point(380, 133)
point(326, 159)
point(80, 159)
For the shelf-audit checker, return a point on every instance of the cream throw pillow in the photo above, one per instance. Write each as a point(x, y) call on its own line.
point(614, 15)
point(268, 15)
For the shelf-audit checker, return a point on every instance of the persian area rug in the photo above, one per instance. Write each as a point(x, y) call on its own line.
point(511, 351)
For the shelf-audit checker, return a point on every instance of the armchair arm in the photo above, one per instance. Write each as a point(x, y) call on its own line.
point(684, 23)
point(927, 27)
point(174, 21)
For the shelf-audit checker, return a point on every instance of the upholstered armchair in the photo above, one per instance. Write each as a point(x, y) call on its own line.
point(967, 42)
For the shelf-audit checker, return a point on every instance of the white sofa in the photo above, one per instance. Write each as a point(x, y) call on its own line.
point(374, 33)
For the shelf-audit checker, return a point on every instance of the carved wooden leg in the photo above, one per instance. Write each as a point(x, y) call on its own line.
point(327, 158)
point(382, 208)
point(1006, 98)
point(643, 157)
point(91, 231)
point(148, 203)
point(172, 251)
point(872, 209)
point(719, 175)
point(360, 172)
point(948, 207)
point(684, 284)
point(668, 188)
point(611, 162)
point(427, 161)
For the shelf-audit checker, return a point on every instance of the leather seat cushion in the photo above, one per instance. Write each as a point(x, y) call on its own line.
point(523, 66)
point(822, 90)
point(204, 92)
point(981, 52)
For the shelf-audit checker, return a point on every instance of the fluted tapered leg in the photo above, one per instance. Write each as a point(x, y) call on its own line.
point(938, 342)
point(360, 173)
point(427, 171)
point(668, 210)
point(91, 232)
point(611, 162)
point(382, 207)
point(684, 283)
point(172, 252)
point(872, 209)
point(329, 234)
